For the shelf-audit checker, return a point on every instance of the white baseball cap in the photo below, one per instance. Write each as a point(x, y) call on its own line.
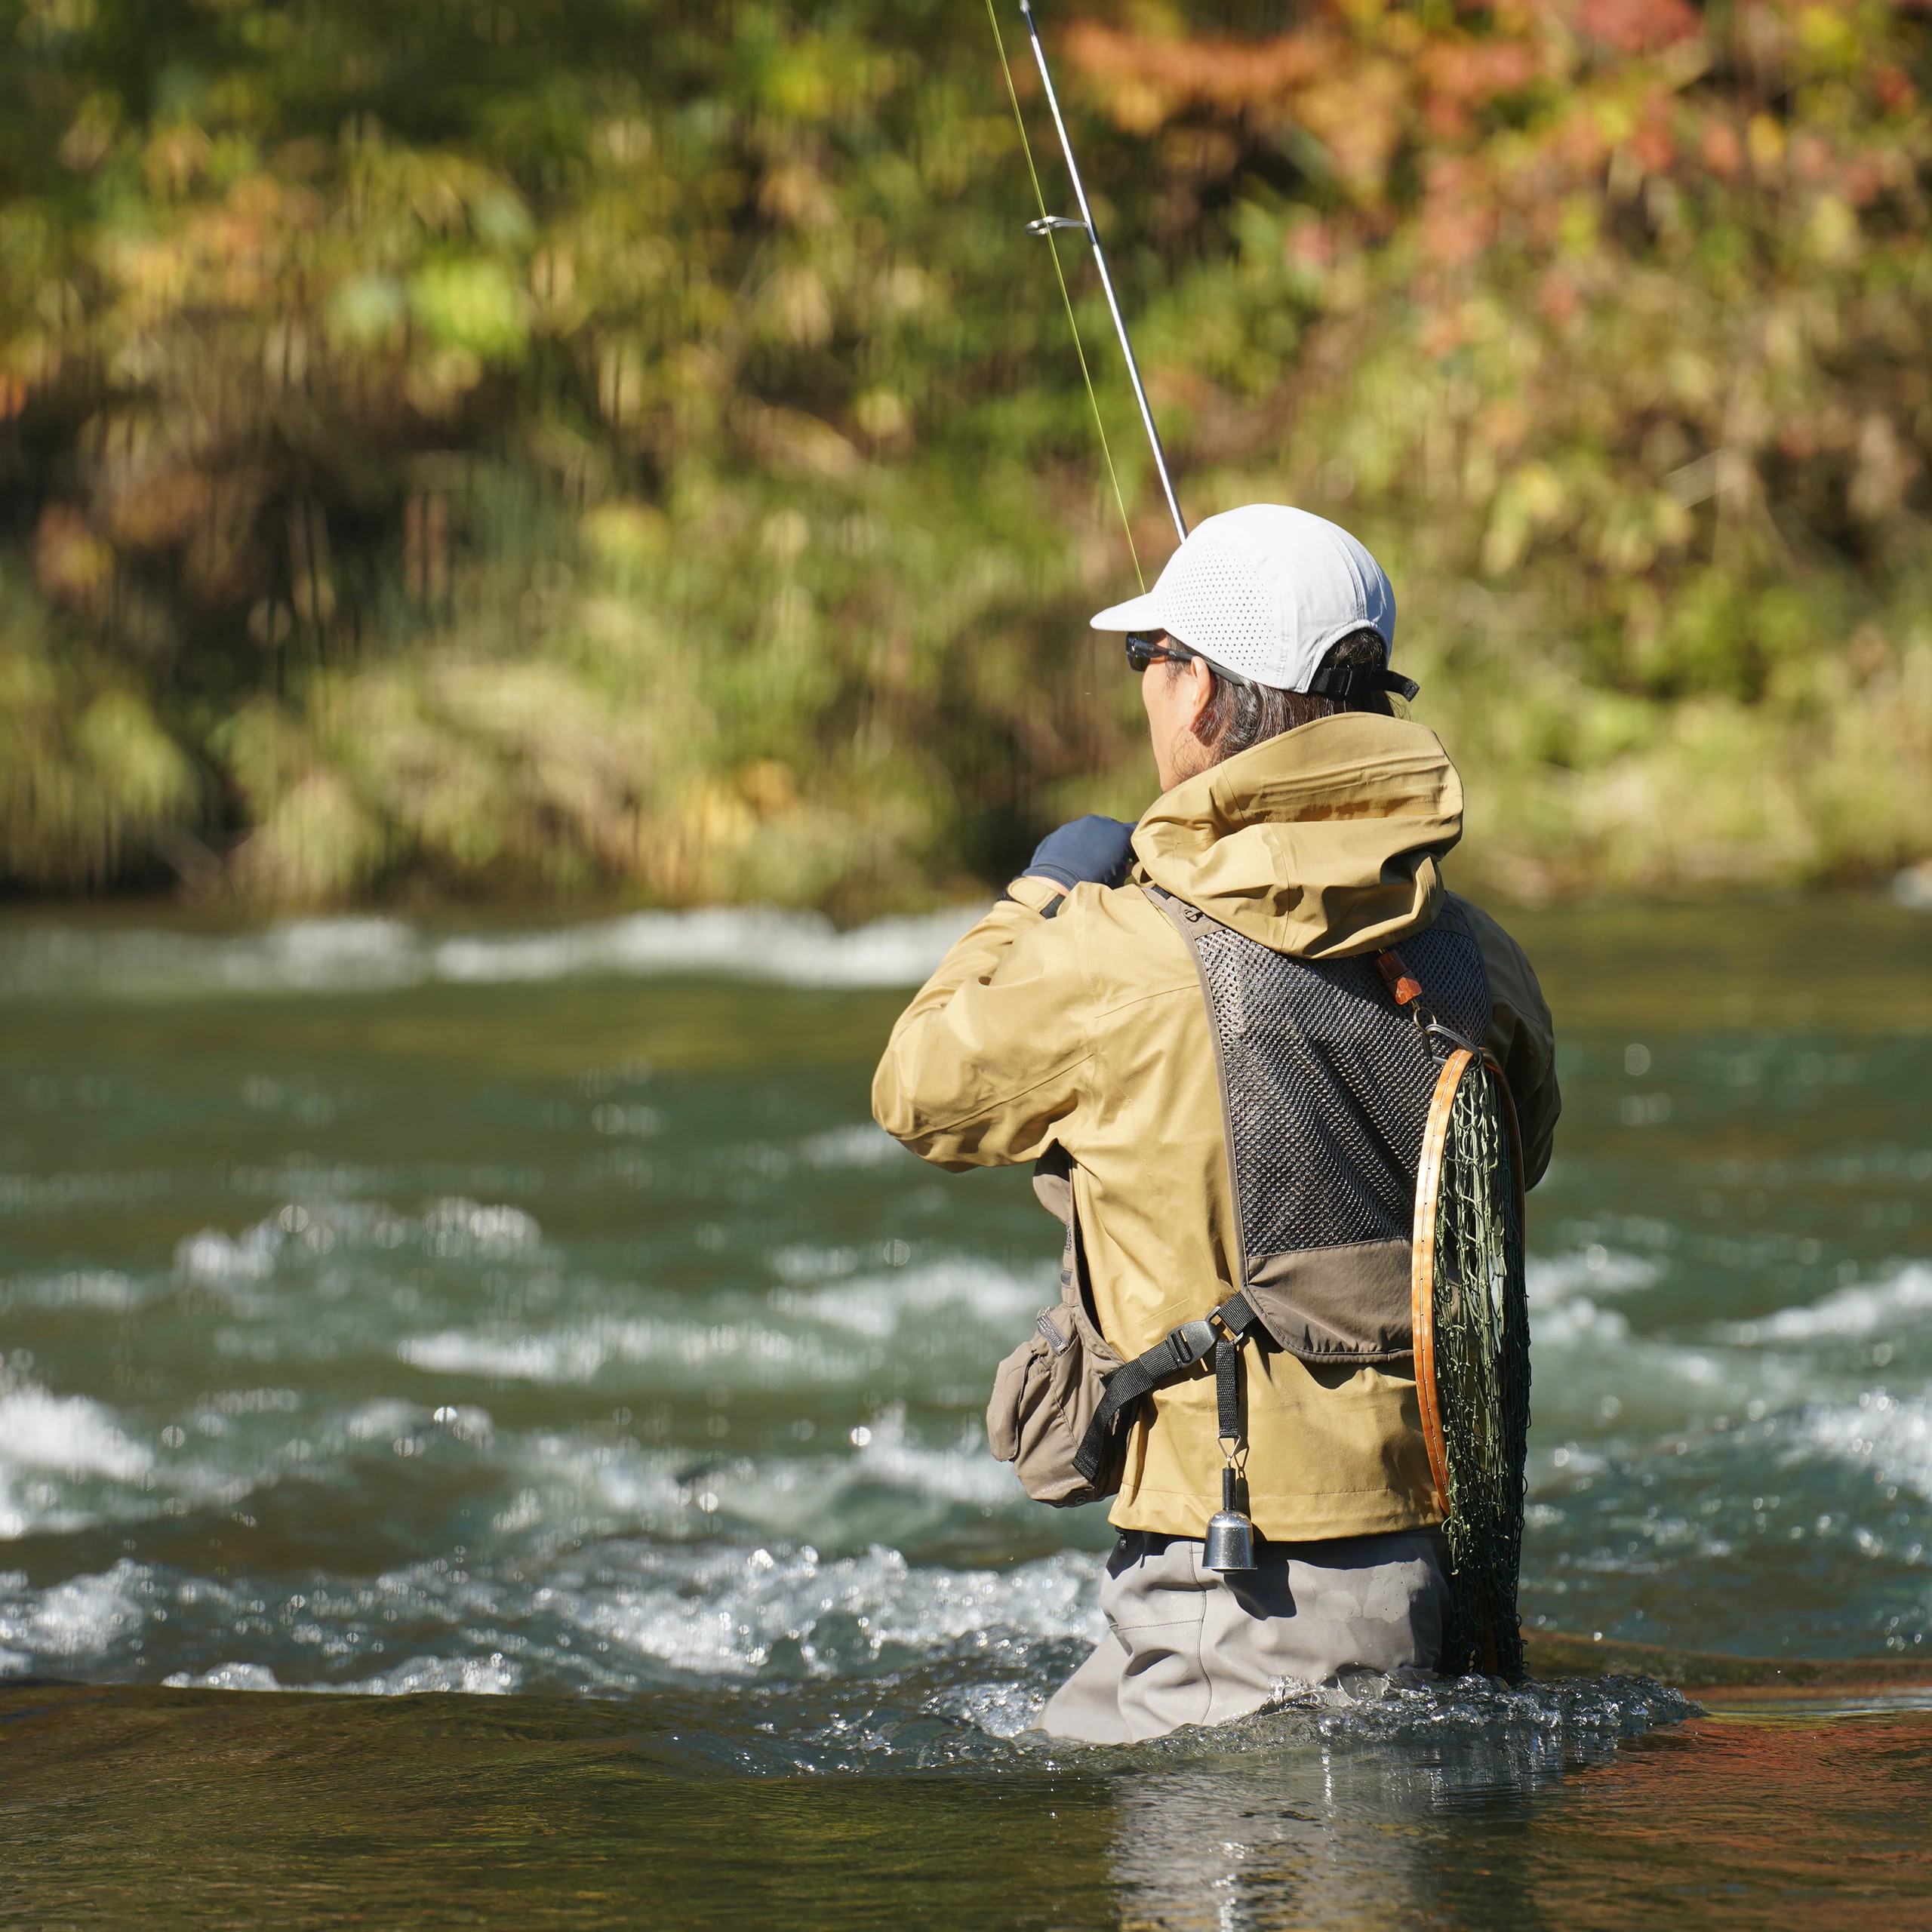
point(1263, 591)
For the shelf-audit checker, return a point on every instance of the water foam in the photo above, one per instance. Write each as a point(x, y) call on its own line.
point(71, 1433)
point(612, 1618)
point(888, 1454)
point(741, 1353)
point(1565, 1293)
point(1904, 1300)
point(887, 1482)
point(728, 1612)
point(85, 1616)
point(1594, 1270)
point(1603, 1361)
point(304, 1232)
point(225, 1677)
point(879, 1306)
point(564, 1357)
point(50, 1443)
point(1889, 1435)
point(1403, 1709)
point(861, 1145)
point(493, 1676)
point(106, 1289)
point(796, 1335)
point(349, 954)
point(617, 1617)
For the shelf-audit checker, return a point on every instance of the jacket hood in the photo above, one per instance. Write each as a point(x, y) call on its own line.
point(1324, 842)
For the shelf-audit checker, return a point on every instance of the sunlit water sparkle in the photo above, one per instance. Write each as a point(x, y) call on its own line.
point(511, 1313)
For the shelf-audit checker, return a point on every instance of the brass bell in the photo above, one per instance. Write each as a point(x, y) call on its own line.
point(1230, 1534)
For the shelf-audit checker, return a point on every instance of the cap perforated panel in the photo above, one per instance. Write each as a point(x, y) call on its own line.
point(1220, 608)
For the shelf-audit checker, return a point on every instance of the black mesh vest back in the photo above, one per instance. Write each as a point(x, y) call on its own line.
point(1325, 1085)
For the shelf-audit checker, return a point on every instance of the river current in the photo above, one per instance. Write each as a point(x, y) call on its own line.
point(391, 1310)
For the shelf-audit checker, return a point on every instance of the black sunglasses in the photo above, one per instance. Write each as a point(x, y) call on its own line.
point(1142, 650)
point(1346, 682)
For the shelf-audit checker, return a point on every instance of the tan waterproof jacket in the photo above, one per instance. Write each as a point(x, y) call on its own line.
point(1089, 1029)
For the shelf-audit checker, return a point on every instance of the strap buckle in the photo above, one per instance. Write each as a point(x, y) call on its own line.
point(1191, 1342)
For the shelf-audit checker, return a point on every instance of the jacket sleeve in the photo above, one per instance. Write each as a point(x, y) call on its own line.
point(1522, 1038)
point(993, 1054)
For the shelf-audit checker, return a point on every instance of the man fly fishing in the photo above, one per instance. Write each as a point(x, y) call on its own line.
point(1076, 1027)
point(1230, 1039)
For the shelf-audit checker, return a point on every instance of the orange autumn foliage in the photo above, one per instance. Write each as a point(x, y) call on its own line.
point(478, 450)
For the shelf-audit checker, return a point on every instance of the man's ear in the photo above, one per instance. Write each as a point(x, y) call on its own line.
point(1201, 694)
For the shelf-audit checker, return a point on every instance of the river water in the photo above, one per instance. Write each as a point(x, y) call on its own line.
point(537, 1313)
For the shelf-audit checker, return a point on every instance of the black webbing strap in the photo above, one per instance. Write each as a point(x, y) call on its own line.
point(1177, 1351)
point(1227, 1390)
point(1348, 681)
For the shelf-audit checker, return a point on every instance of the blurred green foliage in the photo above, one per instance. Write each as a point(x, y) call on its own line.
point(630, 446)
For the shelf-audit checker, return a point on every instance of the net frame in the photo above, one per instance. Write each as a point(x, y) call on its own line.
point(1471, 1354)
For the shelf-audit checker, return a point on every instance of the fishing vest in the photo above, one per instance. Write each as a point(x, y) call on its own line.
point(1325, 1082)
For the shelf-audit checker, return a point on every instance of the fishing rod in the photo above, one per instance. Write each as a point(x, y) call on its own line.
point(1048, 223)
point(1049, 226)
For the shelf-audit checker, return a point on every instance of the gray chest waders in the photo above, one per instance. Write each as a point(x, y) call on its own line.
point(1326, 1073)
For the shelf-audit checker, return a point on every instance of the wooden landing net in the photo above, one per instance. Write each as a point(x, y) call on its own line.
point(1472, 1355)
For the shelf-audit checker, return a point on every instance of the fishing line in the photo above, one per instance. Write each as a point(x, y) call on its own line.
point(1066, 294)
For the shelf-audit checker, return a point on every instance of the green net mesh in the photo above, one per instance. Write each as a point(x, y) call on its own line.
point(1482, 1376)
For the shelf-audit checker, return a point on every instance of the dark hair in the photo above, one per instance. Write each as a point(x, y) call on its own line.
point(1240, 715)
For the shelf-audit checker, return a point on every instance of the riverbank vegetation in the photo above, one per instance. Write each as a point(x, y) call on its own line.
point(629, 447)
